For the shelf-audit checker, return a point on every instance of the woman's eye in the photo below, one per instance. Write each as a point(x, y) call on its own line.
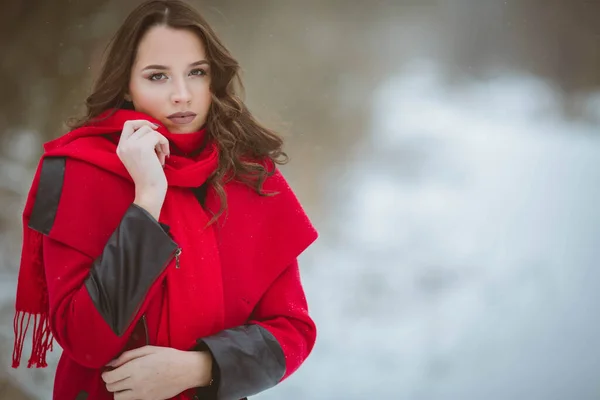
point(198, 71)
point(157, 77)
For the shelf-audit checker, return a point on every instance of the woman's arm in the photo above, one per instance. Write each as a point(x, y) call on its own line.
point(95, 304)
point(278, 338)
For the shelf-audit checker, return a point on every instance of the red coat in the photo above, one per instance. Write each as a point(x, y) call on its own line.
point(263, 302)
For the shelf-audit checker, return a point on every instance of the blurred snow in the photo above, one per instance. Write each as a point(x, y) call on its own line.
point(459, 260)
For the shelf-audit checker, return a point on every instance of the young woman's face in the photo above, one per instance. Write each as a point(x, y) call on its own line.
point(170, 79)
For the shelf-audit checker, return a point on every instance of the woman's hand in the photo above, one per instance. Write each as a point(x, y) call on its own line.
point(143, 150)
point(157, 373)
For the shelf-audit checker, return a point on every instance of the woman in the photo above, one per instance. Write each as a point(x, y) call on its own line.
point(160, 240)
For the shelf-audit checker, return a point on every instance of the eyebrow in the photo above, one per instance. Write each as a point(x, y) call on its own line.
point(156, 66)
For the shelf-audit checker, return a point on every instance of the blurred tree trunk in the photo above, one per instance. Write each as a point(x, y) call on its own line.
point(45, 49)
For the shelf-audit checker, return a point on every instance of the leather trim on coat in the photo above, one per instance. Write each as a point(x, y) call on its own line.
point(48, 194)
point(165, 227)
point(247, 360)
point(134, 257)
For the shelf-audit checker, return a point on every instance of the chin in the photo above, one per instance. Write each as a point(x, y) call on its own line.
point(183, 129)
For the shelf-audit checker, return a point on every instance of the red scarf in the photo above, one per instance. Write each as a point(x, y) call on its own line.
point(184, 318)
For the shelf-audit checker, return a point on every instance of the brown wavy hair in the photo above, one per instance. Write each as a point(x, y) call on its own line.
point(244, 144)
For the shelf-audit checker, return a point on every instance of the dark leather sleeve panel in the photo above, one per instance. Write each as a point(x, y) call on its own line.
point(48, 194)
point(247, 360)
point(165, 227)
point(134, 257)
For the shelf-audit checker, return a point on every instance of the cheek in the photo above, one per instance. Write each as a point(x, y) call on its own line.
point(146, 98)
point(203, 92)
point(204, 99)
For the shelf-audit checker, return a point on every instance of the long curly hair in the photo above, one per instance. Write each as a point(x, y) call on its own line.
point(244, 144)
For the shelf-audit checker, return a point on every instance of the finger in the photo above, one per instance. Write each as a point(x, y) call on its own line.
point(163, 142)
point(147, 137)
point(140, 133)
point(116, 375)
point(135, 135)
point(119, 386)
point(158, 141)
point(129, 356)
point(165, 148)
point(125, 395)
point(133, 125)
point(161, 155)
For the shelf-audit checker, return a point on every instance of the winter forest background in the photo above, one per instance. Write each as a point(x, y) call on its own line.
point(448, 151)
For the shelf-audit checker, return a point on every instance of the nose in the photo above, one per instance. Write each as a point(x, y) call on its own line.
point(181, 93)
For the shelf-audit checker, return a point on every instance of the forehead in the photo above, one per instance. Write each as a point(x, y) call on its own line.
point(169, 46)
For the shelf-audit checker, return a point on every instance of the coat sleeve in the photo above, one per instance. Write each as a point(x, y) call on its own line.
point(278, 338)
point(94, 304)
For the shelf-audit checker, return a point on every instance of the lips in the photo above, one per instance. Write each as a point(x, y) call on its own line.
point(182, 118)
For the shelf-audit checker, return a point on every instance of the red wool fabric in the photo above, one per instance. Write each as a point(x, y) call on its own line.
point(241, 269)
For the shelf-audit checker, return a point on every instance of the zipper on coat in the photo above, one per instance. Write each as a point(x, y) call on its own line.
point(146, 333)
point(177, 254)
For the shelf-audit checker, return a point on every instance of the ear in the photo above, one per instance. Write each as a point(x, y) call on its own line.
point(127, 97)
